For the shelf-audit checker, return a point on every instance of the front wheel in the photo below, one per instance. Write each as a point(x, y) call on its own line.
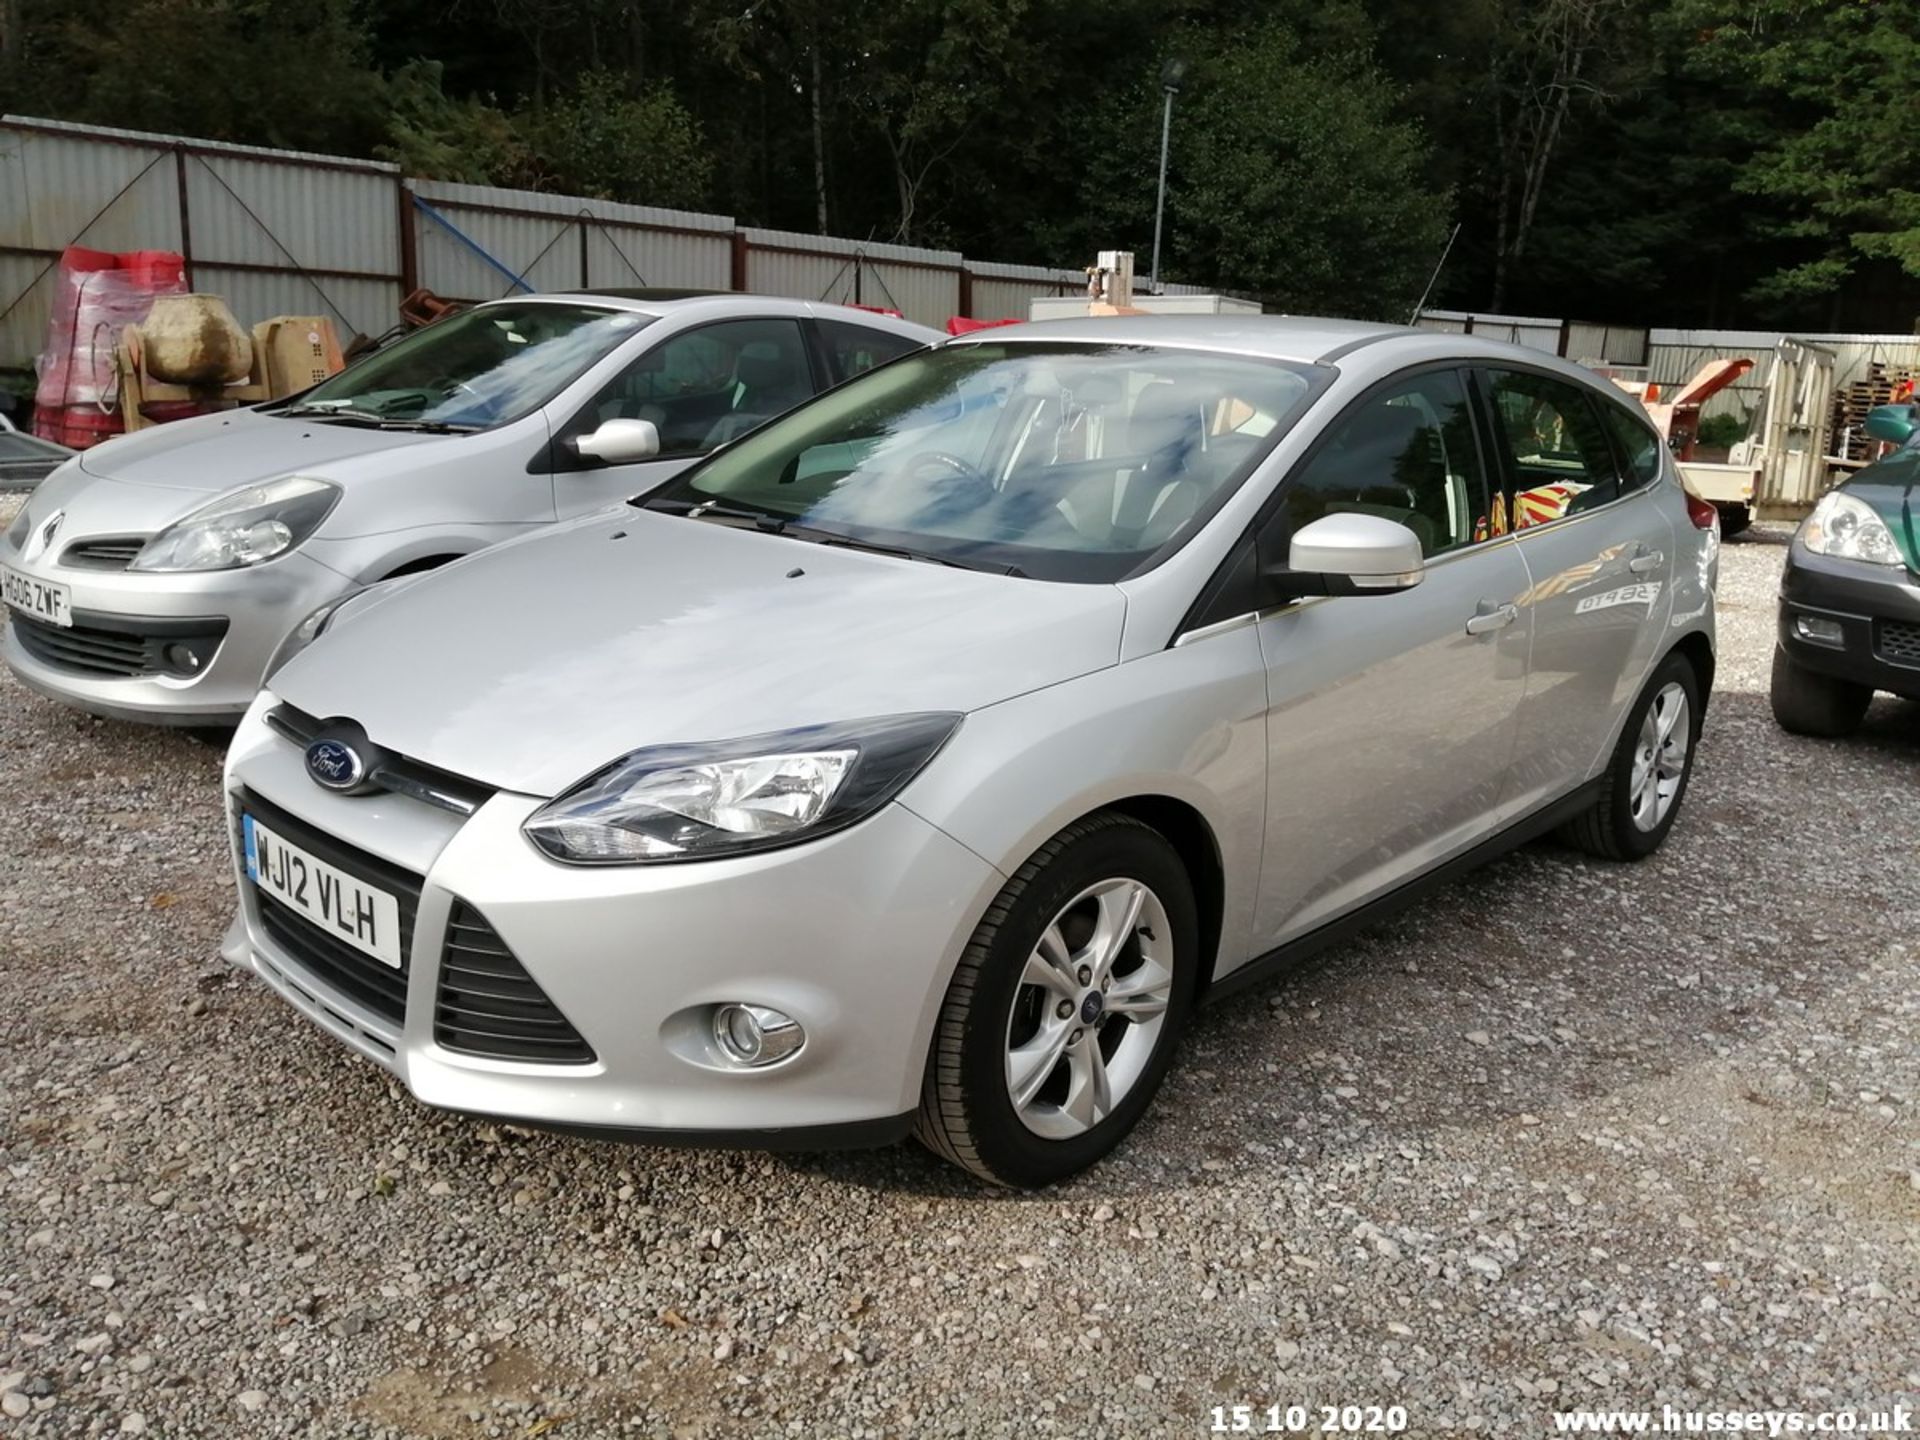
point(1646, 779)
point(1806, 702)
point(1061, 1018)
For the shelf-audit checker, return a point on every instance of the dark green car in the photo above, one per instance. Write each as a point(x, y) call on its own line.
point(1850, 595)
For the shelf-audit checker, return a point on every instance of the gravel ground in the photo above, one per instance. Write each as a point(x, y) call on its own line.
point(1568, 1134)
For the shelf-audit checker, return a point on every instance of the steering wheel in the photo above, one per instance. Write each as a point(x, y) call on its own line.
point(942, 461)
point(485, 405)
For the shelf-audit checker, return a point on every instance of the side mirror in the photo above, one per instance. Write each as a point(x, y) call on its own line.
point(619, 442)
point(1347, 554)
point(1892, 423)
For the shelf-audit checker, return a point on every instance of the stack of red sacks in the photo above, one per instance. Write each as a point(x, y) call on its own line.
point(97, 294)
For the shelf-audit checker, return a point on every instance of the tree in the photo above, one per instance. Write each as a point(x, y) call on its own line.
point(1289, 178)
point(294, 76)
point(431, 134)
point(1841, 156)
point(598, 139)
point(1543, 58)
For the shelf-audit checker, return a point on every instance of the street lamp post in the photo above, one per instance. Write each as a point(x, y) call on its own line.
point(1171, 74)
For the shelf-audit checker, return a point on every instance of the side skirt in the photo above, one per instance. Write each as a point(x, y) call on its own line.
point(1286, 957)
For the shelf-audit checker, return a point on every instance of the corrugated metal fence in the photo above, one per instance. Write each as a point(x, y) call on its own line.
point(1672, 357)
point(1676, 355)
point(284, 232)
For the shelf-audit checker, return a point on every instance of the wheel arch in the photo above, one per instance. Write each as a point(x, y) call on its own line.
point(1193, 839)
point(1698, 650)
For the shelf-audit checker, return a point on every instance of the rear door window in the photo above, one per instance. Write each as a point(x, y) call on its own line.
point(1639, 447)
point(1555, 445)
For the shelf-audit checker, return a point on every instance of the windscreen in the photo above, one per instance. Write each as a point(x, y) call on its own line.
point(478, 369)
point(1062, 462)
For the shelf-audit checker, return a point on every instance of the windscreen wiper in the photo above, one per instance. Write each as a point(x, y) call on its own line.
point(372, 419)
point(718, 510)
point(900, 552)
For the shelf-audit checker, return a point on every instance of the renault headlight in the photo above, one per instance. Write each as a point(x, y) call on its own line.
point(1849, 529)
point(243, 527)
point(694, 802)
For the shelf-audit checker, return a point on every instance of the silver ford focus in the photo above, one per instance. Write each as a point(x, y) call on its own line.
point(153, 578)
point(918, 763)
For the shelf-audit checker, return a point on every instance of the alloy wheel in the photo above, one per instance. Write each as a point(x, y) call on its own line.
point(1089, 1008)
point(1660, 757)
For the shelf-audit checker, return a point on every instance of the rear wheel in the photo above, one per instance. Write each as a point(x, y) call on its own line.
point(1806, 702)
point(1733, 519)
point(1062, 1015)
point(1646, 779)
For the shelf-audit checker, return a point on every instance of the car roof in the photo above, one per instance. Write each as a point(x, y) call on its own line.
point(692, 304)
point(1280, 337)
point(1300, 339)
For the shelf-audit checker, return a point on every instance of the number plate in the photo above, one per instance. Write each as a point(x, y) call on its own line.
point(350, 911)
point(43, 599)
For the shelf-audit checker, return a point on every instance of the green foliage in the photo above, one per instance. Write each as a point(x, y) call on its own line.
point(1723, 432)
point(1841, 157)
point(1747, 163)
point(603, 139)
point(1289, 177)
point(294, 76)
point(429, 133)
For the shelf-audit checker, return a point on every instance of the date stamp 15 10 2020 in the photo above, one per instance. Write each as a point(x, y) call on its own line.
point(1308, 1419)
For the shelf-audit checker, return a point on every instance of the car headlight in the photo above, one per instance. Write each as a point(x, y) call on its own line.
point(243, 527)
point(307, 631)
point(695, 802)
point(1849, 529)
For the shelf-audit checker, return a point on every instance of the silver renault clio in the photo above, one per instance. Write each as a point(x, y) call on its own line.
point(154, 577)
point(918, 763)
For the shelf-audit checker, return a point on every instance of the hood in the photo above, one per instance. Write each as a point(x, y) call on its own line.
point(532, 664)
point(1892, 487)
point(93, 508)
point(212, 454)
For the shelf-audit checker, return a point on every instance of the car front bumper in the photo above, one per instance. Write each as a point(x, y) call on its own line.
point(854, 935)
point(1876, 609)
point(247, 614)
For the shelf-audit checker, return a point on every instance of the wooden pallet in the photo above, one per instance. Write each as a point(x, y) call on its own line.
point(1881, 385)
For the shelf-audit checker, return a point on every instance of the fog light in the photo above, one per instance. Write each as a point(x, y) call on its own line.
point(181, 658)
point(754, 1035)
point(1818, 630)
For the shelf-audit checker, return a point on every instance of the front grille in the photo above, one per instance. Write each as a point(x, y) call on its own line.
point(489, 1005)
point(324, 957)
point(112, 553)
point(125, 651)
point(391, 772)
point(1900, 642)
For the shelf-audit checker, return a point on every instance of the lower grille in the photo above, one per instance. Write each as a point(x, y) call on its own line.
point(322, 956)
point(1900, 642)
point(489, 1005)
point(124, 653)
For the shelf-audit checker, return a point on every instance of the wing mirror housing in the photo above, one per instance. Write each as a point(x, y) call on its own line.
point(1893, 423)
point(618, 442)
point(1347, 554)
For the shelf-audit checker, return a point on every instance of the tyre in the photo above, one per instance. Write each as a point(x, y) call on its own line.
point(1733, 519)
point(1646, 779)
point(1063, 1013)
point(1808, 703)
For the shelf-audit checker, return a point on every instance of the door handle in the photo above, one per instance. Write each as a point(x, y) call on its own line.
point(1489, 620)
point(1646, 561)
